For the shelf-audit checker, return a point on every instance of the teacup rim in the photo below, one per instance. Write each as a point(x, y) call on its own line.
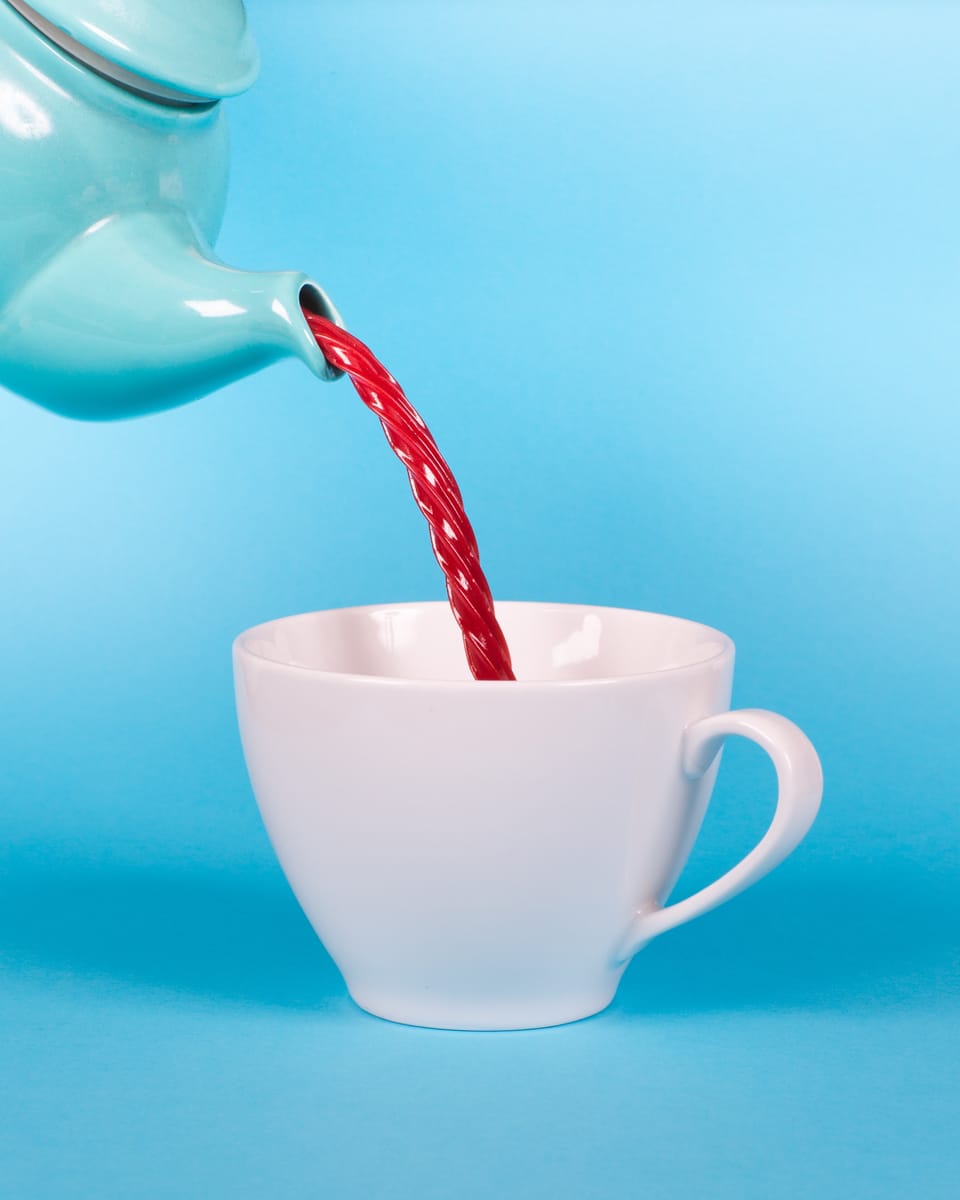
point(241, 647)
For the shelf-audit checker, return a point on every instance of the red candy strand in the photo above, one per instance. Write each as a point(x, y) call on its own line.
point(435, 491)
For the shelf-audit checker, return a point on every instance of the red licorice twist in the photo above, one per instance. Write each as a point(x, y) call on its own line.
point(435, 491)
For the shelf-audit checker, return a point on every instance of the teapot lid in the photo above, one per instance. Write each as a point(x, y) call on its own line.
point(202, 48)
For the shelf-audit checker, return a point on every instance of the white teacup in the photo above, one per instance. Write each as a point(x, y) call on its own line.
point(490, 855)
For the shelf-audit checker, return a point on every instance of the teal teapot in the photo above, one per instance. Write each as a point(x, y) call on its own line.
point(113, 179)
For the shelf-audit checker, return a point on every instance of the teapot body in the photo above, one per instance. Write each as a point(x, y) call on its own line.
point(112, 301)
point(77, 149)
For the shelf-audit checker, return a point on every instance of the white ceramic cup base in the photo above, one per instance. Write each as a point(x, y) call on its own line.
point(485, 1015)
point(490, 855)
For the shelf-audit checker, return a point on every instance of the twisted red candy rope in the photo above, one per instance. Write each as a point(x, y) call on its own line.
point(435, 491)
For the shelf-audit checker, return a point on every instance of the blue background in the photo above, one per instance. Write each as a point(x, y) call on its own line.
point(677, 288)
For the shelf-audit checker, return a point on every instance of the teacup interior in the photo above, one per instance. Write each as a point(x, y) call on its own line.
point(547, 641)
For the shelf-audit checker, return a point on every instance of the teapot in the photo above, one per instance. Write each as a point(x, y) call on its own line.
point(113, 180)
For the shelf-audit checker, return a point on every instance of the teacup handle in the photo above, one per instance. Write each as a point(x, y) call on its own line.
point(800, 784)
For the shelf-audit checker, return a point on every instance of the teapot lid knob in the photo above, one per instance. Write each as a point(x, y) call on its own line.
point(195, 49)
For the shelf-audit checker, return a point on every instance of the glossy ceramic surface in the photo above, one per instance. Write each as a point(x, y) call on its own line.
point(112, 302)
point(200, 47)
point(489, 855)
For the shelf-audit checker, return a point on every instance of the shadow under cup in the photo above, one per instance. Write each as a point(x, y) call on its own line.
point(478, 855)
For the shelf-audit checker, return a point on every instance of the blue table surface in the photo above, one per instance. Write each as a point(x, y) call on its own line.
point(678, 289)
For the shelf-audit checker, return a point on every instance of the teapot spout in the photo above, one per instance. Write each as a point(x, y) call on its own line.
point(137, 315)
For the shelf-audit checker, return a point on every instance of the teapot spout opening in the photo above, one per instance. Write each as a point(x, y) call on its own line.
point(314, 299)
